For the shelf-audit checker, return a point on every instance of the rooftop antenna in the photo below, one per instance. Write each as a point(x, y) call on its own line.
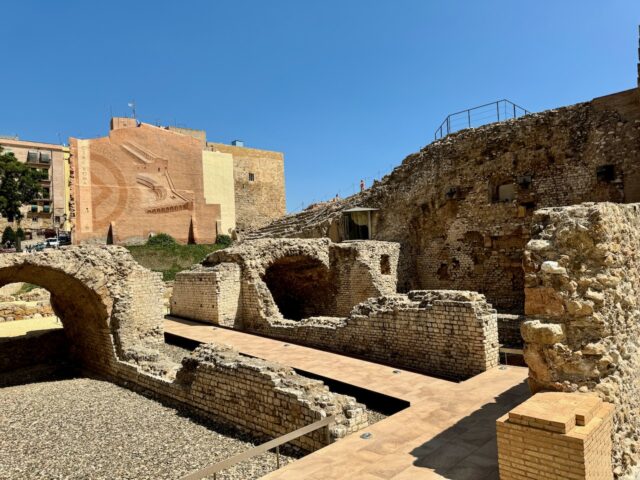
point(132, 106)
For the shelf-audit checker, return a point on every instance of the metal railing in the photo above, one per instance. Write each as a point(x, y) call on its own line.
point(477, 116)
point(260, 449)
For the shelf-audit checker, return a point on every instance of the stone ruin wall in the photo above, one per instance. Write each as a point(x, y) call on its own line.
point(583, 329)
point(444, 333)
point(441, 204)
point(112, 314)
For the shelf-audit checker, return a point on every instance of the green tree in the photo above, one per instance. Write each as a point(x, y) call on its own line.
point(20, 234)
point(19, 184)
point(8, 236)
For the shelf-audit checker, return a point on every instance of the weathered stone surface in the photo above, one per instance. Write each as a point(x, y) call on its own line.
point(442, 203)
point(340, 297)
point(112, 312)
point(592, 342)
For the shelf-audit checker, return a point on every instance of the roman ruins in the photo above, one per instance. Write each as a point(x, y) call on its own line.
point(536, 214)
point(112, 318)
point(521, 233)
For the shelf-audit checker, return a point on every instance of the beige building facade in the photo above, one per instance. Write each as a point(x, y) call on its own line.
point(51, 209)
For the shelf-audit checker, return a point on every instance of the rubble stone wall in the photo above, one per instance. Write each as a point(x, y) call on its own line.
point(582, 294)
point(442, 204)
point(447, 333)
point(111, 309)
point(109, 305)
point(451, 334)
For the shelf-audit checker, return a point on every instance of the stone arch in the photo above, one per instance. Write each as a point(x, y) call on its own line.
point(301, 286)
point(109, 305)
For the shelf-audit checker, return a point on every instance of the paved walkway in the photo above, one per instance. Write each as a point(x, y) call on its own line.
point(447, 432)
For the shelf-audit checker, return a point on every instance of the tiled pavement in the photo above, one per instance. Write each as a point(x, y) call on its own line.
point(447, 432)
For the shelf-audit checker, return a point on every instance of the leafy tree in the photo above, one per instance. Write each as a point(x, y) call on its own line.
point(8, 236)
point(20, 234)
point(162, 240)
point(19, 184)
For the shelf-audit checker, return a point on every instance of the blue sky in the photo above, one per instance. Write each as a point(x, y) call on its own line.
point(346, 89)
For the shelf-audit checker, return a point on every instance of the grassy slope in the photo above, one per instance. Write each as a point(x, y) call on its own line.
point(172, 259)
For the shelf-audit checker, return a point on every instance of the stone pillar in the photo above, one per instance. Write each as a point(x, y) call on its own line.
point(556, 435)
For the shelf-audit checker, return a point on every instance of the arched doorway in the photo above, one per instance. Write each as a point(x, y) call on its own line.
point(107, 303)
point(301, 287)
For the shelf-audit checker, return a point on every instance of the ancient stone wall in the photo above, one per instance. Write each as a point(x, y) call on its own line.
point(111, 309)
point(582, 293)
point(109, 305)
point(450, 334)
point(208, 294)
point(259, 397)
point(35, 348)
point(462, 207)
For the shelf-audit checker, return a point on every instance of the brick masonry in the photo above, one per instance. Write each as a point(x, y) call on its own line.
point(442, 204)
point(349, 304)
point(556, 436)
point(112, 312)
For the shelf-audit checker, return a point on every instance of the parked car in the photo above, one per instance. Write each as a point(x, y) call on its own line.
point(52, 243)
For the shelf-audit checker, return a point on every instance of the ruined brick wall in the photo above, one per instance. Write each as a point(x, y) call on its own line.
point(109, 305)
point(450, 334)
point(258, 397)
point(582, 293)
point(443, 203)
point(111, 310)
point(208, 295)
point(259, 185)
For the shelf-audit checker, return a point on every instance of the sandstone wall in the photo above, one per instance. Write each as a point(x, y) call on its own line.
point(582, 291)
point(208, 294)
point(109, 305)
point(261, 398)
point(442, 204)
point(451, 334)
point(259, 185)
point(112, 313)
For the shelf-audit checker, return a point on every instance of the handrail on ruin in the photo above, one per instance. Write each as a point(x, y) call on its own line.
point(480, 115)
point(258, 450)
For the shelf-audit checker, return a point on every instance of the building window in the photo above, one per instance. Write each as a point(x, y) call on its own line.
point(606, 173)
point(45, 157)
point(34, 208)
point(252, 177)
point(32, 157)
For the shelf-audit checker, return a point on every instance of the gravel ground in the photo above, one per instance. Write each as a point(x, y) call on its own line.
point(91, 429)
